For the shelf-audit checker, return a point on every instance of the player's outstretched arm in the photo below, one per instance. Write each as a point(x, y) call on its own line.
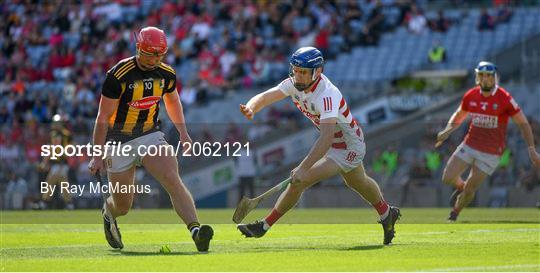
point(453, 123)
point(527, 134)
point(258, 102)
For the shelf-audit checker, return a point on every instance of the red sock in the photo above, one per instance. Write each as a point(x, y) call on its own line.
point(381, 207)
point(456, 210)
point(273, 217)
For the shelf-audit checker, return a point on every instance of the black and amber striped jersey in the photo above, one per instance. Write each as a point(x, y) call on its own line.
point(60, 136)
point(139, 93)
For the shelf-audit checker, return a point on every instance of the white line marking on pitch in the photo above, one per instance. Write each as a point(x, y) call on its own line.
point(473, 231)
point(505, 230)
point(486, 268)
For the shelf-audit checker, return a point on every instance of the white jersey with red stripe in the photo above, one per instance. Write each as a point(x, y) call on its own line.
point(322, 101)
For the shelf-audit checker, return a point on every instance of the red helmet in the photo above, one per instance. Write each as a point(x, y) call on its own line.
point(151, 41)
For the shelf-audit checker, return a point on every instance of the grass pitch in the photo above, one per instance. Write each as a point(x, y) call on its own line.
point(304, 240)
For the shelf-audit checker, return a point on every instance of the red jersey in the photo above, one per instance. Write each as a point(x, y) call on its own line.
point(489, 118)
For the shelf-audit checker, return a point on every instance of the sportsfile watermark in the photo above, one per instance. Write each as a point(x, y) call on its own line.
point(113, 148)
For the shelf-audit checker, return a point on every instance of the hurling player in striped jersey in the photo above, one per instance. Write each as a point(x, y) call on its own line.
point(339, 149)
point(129, 114)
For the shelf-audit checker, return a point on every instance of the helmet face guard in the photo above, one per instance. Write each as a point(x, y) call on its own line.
point(305, 60)
point(486, 68)
point(142, 52)
point(302, 86)
point(151, 42)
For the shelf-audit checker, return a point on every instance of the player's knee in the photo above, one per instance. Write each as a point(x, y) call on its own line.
point(121, 207)
point(470, 188)
point(362, 180)
point(468, 194)
point(170, 176)
point(121, 210)
point(448, 179)
point(297, 187)
point(353, 183)
point(347, 183)
point(366, 180)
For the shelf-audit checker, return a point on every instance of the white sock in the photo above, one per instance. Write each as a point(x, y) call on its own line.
point(384, 215)
point(194, 231)
point(107, 213)
point(266, 226)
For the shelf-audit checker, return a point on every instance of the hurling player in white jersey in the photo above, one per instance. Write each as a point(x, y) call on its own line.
point(339, 149)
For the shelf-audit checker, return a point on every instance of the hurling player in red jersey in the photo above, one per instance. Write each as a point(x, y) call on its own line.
point(489, 107)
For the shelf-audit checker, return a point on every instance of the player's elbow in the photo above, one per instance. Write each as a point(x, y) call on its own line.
point(174, 108)
point(461, 116)
point(522, 123)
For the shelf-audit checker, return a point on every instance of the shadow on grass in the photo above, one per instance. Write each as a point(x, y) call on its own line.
point(155, 253)
point(315, 248)
point(282, 249)
point(368, 247)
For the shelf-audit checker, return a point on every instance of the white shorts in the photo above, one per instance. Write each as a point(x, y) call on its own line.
point(118, 163)
point(59, 170)
point(58, 173)
point(484, 161)
point(348, 159)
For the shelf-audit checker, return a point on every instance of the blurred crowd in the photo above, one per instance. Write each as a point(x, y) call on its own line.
point(54, 56)
point(421, 165)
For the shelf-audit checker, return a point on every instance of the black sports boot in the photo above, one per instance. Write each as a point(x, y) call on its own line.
point(453, 216)
point(255, 229)
point(202, 238)
point(112, 232)
point(388, 224)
